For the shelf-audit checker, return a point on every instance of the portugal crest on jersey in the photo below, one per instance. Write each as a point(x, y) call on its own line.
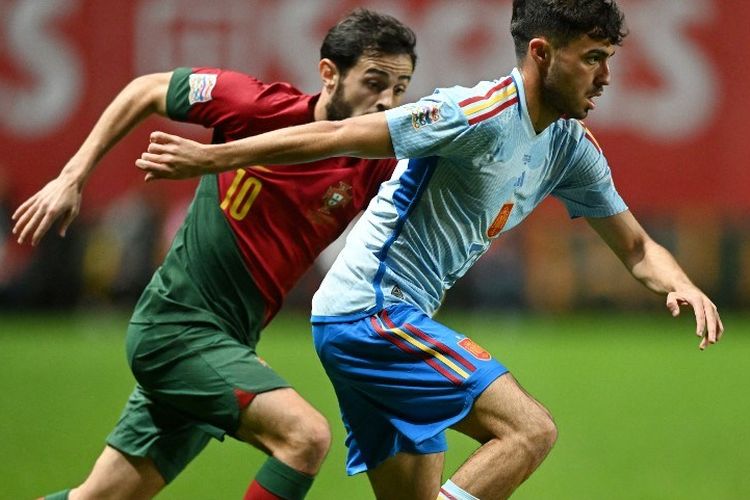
point(335, 197)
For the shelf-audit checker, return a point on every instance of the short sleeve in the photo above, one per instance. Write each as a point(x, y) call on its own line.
point(178, 101)
point(428, 127)
point(588, 189)
point(213, 98)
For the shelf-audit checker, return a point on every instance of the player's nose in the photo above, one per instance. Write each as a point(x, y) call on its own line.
point(604, 74)
point(386, 100)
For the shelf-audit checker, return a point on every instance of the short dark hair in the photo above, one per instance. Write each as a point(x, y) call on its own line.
point(366, 32)
point(562, 21)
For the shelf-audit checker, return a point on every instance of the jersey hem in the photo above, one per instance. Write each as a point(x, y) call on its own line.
point(346, 318)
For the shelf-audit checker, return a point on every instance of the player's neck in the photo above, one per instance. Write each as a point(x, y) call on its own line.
point(319, 112)
point(540, 115)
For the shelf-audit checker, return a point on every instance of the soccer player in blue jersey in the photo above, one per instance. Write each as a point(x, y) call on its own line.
point(474, 163)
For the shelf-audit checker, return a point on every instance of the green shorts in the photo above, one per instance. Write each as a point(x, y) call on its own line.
point(191, 345)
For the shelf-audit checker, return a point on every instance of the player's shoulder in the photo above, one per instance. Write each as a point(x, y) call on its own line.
point(486, 99)
point(578, 132)
point(233, 79)
point(481, 91)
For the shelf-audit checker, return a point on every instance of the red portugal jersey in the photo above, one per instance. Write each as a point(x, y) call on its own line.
point(282, 216)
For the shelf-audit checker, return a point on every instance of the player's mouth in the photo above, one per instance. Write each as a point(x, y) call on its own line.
point(590, 98)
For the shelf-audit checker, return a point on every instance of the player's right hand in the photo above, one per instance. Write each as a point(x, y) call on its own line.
point(173, 157)
point(60, 200)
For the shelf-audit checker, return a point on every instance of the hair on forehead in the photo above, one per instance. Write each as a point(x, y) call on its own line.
point(365, 32)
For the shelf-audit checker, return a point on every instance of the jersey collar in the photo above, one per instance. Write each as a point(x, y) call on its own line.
point(523, 111)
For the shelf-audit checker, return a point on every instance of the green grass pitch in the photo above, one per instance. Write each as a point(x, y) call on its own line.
point(642, 413)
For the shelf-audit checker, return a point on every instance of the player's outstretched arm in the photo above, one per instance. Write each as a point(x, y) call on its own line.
point(173, 157)
point(60, 199)
point(655, 267)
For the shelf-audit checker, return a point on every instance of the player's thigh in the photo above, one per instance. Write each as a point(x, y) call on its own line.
point(156, 432)
point(281, 417)
point(201, 372)
point(117, 475)
point(503, 408)
point(408, 476)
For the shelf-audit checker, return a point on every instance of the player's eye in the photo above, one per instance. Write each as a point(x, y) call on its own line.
point(375, 85)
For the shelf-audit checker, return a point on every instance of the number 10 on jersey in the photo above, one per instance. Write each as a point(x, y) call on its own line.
point(241, 195)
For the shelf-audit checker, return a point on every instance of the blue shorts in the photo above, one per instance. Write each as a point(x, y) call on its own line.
point(401, 379)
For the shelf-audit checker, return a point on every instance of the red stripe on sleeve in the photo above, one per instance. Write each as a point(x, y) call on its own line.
point(494, 112)
point(494, 89)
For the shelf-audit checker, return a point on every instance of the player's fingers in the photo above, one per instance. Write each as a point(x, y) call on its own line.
point(158, 148)
point(157, 136)
point(715, 319)
point(703, 344)
point(153, 170)
point(42, 229)
point(152, 173)
point(712, 323)
point(721, 327)
point(67, 220)
point(711, 332)
point(156, 159)
point(24, 207)
point(146, 165)
point(22, 219)
point(26, 223)
point(700, 319)
point(673, 305)
point(30, 226)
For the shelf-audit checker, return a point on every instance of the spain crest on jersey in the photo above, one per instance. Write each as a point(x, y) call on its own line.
point(474, 349)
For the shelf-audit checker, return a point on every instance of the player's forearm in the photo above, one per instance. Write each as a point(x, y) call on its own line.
point(142, 97)
point(363, 137)
point(647, 261)
point(658, 270)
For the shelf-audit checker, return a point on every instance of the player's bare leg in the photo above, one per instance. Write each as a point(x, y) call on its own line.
point(406, 476)
point(294, 435)
point(117, 476)
point(516, 433)
point(285, 426)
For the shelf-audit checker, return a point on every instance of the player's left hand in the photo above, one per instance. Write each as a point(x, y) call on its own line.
point(708, 323)
point(173, 157)
point(59, 200)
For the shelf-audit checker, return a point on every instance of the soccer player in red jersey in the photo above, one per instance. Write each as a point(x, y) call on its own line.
point(248, 237)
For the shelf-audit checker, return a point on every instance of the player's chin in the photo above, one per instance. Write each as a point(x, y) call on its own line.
point(369, 111)
point(578, 114)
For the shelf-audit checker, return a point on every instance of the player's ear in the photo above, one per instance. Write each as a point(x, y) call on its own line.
point(329, 74)
point(540, 52)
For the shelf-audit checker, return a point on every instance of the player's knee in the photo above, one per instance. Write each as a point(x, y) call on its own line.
point(539, 435)
point(310, 438)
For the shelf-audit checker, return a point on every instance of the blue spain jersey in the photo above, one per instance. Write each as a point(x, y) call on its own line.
point(471, 167)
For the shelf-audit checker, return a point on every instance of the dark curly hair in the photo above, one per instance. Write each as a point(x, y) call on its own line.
point(367, 32)
point(562, 21)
